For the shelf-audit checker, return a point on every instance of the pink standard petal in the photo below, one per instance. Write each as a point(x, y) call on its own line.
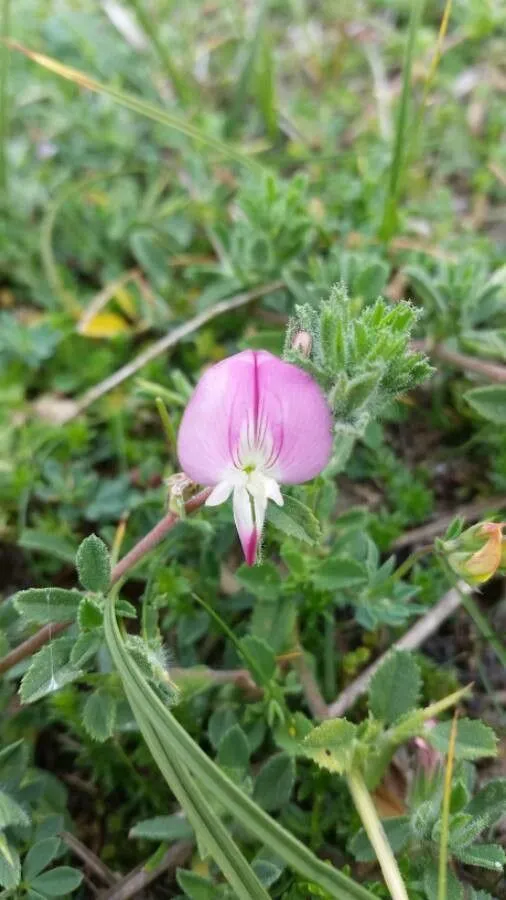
point(211, 424)
point(299, 418)
point(281, 404)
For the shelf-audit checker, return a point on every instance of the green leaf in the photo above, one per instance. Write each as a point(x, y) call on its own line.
point(291, 733)
point(474, 739)
point(454, 889)
point(163, 828)
point(487, 856)
point(39, 856)
point(90, 614)
point(260, 658)
point(196, 887)
point(338, 573)
point(395, 687)
point(396, 830)
point(58, 882)
point(263, 580)
point(94, 564)
point(50, 670)
point(233, 751)
point(489, 401)
point(99, 715)
point(11, 813)
point(274, 782)
point(332, 745)
point(85, 648)
point(489, 804)
point(43, 605)
point(295, 519)
point(10, 865)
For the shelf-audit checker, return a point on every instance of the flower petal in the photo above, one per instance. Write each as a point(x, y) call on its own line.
point(220, 493)
point(243, 516)
point(219, 409)
point(255, 403)
point(293, 409)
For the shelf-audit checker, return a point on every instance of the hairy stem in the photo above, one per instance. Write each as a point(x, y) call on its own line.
point(134, 556)
point(376, 834)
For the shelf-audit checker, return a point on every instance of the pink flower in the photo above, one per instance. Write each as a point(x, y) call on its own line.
point(253, 423)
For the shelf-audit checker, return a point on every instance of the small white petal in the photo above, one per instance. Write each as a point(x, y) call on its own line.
point(272, 491)
point(220, 493)
point(243, 516)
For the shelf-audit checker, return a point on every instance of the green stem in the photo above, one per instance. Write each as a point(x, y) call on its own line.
point(389, 222)
point(376, 834)
point(214, 781)
point(4, 74)
point(181, 88)
point(408, 563)
point(483, 626)
point(200, 814)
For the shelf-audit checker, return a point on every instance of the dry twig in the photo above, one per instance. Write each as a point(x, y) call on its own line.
point(169, 340)
point(421, 630)
point(141, 877)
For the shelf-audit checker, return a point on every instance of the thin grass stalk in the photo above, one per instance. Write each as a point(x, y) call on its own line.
point(202, 817)
point(251, 816)
point(390, 211)
point(180, 86)
point(144, 108)
point(376, 834)
point(4, 102)
point(442, 885)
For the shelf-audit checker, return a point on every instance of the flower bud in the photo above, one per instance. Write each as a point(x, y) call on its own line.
point(303, 343)
point(477, 553)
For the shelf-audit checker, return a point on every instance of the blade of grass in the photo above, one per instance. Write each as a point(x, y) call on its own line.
point(438, 52)
point(251, 816)
point(389, 221)
point(138, 105)
point(182, 88)
point(445, 815)
point(247, 69)
point(484, 627)
point(4, 76)
point(204, 820)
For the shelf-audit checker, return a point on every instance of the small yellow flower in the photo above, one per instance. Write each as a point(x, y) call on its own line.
point(478, 553)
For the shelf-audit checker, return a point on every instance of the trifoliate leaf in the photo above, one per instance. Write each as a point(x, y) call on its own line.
point(99, 715)
point(338, 573)
point(489, 401)
point(395, 687)
point(57, 882)
point(274, 782)
point(11, 813)
point(295, 519)
point(93, 564)
point(50, 670)
point(331, 745)
point(39, 856)
point(85, 648)
point(43, 605)
point(474, 739)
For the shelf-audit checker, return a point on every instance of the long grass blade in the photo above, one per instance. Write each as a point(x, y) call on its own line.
point(217, 784)
point(4, 76)
point(389, 222)
point(181, 87)
point(138, 105)
point(204, 820)
point(445, 815)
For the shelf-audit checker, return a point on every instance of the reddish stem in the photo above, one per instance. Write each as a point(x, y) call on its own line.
point(138, 552)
